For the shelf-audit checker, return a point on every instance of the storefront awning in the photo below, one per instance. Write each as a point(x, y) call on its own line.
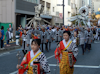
point(46, 16)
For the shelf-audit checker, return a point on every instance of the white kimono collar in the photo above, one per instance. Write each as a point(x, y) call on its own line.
point(64, 42)
point(32, 54)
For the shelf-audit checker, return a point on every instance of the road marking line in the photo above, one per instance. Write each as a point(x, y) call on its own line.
point(14, 72)
point(8, 53)
point(17, 70)
point(4, 53)
point(79, 66)
point(50, 57)
point(97, 42)
point(18, 49)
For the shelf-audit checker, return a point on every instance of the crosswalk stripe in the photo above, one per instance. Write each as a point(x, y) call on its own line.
point(6, 53)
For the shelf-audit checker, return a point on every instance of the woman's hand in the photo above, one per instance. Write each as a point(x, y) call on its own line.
point(19, 67)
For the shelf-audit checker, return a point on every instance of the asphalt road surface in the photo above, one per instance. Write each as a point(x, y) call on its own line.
point(89, 63)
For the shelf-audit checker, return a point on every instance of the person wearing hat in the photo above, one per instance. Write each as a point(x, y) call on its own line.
point(44, 38)
point(35, 56)
point(64, 48)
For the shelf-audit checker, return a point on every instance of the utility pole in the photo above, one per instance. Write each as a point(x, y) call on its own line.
point(63, 12)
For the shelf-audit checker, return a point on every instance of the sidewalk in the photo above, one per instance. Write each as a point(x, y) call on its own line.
point(11, 47)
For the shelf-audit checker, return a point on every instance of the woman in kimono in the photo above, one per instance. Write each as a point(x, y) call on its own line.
point(61, 53)
point(35, 55)
point(25, 42)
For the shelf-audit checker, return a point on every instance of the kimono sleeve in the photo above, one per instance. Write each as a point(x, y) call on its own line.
point(75, 50)
point(24, 63)
point(58, 49)
point(44, 63)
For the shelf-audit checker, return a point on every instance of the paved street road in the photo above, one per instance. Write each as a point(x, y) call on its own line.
point(86, 64)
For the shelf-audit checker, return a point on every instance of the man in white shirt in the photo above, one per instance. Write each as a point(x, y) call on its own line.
point(11, 32)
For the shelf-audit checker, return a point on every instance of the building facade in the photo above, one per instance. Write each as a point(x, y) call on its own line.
point(96, 5)
point(17, 11)
point(54, 9)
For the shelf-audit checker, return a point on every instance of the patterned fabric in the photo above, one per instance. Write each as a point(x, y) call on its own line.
point(64, 65)
point(43, 62)
point(41, 58)
point(63, 59)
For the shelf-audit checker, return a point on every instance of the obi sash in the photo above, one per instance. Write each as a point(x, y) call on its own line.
point(30, 68)
point(70, 55)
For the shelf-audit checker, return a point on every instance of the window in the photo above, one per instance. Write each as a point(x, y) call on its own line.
point(68, 2)
point(68, 14)
point(53, 9)
point(32, 1)
point(57, 13)
point(72, 5)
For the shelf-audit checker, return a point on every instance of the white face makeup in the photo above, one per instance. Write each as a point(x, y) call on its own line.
point(66, 36)
point(34, 46)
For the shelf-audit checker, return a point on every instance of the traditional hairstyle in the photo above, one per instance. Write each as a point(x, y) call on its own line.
point(68, 32)
point(37, 41)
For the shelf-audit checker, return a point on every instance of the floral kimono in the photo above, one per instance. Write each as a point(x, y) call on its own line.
point(62, 56)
